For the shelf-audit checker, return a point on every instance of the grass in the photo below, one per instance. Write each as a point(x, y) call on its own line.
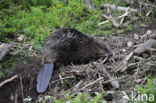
point(80, 98)
point(8, 67)
point(149, 89)
point(35, 22)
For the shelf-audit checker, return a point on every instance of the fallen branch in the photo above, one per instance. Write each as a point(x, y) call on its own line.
point(114, 20)
point(124, 63)
point(8, 80)
point(119, 8)
point(92, 83)
point(105, 16)
point(145, 46)
point(77, 85)
point(103, 22)
point(114, 83)
point(4, 49)
point(62, 79)
point(146, 35)
point(123, 15)
point(104, 82)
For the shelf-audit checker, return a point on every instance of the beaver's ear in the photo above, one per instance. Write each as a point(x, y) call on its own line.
point(69, 44)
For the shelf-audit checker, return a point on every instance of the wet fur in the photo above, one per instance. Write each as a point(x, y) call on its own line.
point(69, 45)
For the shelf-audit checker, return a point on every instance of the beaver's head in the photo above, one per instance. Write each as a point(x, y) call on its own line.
point(102, 49)
point(50, 53)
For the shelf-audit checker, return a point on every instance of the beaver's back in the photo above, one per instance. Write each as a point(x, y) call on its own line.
point(72, 46)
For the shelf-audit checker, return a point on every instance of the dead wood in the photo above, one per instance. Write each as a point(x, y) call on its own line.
point(8, 80)
point(153, 36)
point(114, 83)
point(113, 19)
point(89, 84)
point(145, 46)
point(146, 35)
point(124, 63)
point(124, 9)
point(113, 79)
point(4, 50)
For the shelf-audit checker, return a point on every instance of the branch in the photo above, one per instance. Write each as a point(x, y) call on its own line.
point(119, 8)
point(8, 80)
point(4, 49)
point(145, 46)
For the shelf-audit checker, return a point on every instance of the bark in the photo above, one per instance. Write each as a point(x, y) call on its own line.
point(4, 49)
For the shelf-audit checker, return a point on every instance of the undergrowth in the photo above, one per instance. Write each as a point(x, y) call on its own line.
point(147, 92)
point(35, 19)
point(80, 98)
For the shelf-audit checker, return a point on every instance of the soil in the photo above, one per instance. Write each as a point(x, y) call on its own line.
point(76, 77)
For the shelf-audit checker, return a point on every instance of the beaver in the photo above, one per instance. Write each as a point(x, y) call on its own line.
point(66, 46)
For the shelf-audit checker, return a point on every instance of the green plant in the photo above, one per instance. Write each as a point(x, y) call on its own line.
point(80, 98)
point(37, 21)
point(149, 90)
point(27, 100)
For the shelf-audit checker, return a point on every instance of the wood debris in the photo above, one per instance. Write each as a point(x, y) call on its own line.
point(4, 50)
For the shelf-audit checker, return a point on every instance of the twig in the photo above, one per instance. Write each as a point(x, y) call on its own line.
point(8, 80)
point(104, 72)
point(104, 82)
point(125, 96)
point(62, 79)
point(123, 65)
point(101, 86)
point(103, 22)
point(148, 13)
point(105, 16)
point(114, 21)
point(125, 14)
point(97, 80)
point(77, 85)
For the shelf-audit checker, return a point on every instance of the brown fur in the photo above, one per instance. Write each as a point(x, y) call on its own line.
point(68, 45)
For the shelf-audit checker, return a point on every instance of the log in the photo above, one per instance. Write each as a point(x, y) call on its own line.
point(4, 50)
point(145, 46)
point(124, 9)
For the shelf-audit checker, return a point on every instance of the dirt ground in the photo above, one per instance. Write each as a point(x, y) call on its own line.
point(89, 77)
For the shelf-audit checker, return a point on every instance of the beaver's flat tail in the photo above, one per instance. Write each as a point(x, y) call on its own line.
point(43, 77)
